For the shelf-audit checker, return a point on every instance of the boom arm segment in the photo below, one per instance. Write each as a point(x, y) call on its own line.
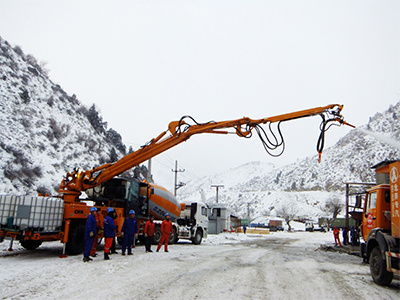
point(179, 131)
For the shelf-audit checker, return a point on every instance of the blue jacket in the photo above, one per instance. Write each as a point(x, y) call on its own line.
point(90, 226)
point(130, 226)
point(109, 227)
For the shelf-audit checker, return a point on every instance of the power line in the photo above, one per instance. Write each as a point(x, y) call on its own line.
point(187, 173)
point(176, 186)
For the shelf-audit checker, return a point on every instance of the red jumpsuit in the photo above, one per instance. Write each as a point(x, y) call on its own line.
point(166, 230)
point(149, 229)
point(336, 233)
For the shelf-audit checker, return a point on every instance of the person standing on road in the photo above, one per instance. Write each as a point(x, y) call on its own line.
point(166, 230)
point(244, 229)
point(90, 232)
point(96, 237)
point(345, 233)
point(112, 249)
point(336, 233)
point(354, 236)
point(109, 232)
point(129, 231)
point(149, 229)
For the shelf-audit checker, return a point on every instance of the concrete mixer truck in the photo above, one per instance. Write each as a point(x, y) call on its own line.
point(33, 220)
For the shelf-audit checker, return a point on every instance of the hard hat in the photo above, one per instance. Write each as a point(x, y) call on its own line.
point(93, 209)
point(110, 209)
point(131, 212)
point(167, 214)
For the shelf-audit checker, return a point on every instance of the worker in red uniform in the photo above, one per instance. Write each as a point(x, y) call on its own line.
point(166, 230)
point(149, 229)
point(336, 233)
point(96, 237)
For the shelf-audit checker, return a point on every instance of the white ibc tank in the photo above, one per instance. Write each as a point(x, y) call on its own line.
point(7, 209)
point(41, 214)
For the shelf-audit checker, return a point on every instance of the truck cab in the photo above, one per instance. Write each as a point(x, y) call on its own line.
point(119, 192)
point(193, 222)
point(309, 226)
point(381, 224)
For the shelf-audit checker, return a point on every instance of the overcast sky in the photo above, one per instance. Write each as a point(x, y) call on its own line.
point(146, 63)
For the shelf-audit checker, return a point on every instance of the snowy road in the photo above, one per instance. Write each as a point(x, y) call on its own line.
point(277, 266)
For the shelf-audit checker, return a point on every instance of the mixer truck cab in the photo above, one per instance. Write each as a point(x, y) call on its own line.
point(193, 222)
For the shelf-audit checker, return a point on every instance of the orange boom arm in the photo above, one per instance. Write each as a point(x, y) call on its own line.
point(179, 131)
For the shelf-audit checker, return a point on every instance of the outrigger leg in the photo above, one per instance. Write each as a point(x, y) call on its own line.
point(63, 255)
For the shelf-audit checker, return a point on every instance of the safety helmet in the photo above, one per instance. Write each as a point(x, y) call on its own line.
point(110, 209)
point(167, 214)
point(93, 209)
point(131, 212)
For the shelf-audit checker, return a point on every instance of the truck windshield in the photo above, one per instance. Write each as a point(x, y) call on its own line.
point(134, 191)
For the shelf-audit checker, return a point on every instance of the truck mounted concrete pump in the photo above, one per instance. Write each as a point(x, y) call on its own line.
point(32, 220)
point(381, 224)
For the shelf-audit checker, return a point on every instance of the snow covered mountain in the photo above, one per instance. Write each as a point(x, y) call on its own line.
point(256, 189)
point(44, 132)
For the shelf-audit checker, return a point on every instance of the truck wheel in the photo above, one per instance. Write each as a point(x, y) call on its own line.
point(198, 237)
point(157, 235)
point(173, 238)
point(377, 267)
point(76, 239)
point(30, 245)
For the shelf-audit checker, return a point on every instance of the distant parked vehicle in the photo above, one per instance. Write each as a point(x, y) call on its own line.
point(309, 226)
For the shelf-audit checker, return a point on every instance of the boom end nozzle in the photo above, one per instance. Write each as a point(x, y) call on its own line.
point(348, 124)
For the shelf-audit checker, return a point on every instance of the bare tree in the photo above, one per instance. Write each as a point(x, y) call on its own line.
point(287, 210)
point(333, 206)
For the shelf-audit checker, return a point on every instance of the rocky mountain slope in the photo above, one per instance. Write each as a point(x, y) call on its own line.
point(44, 132)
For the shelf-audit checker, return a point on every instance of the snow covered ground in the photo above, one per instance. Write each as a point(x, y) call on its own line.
point(280, 265)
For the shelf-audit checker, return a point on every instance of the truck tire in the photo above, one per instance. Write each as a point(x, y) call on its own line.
point(157, 235)
point(76, 239)
point(198, 237)
point(30, 245)
point(173, 238)
point(377, 268)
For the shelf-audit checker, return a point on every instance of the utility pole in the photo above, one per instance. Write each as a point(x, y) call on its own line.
point(149, 178)
point(217, 186)
point(176, 177)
